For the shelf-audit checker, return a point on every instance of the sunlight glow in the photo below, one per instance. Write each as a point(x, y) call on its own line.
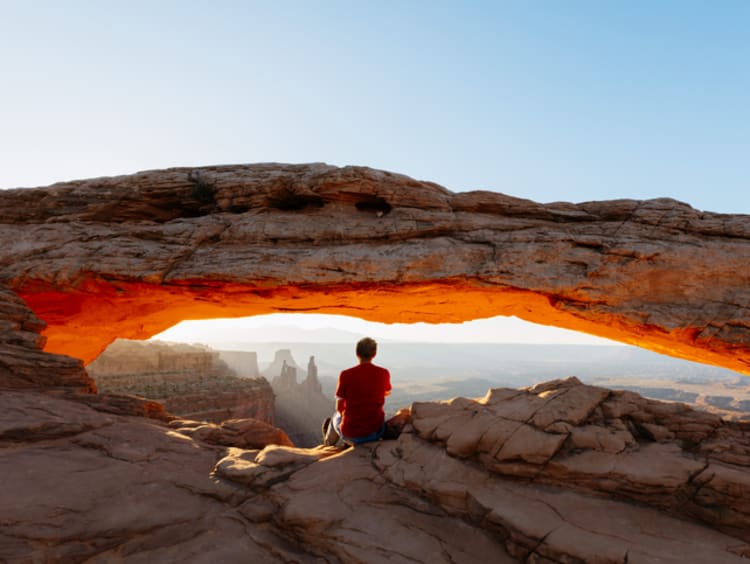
point(283, 327)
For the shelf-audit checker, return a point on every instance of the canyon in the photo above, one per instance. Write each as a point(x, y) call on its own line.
point(192, 381)
point(301, 406)
point(557, 472)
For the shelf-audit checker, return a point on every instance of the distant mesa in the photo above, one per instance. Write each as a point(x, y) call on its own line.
point(192, 381)
point(244, 363)
point(195, 382)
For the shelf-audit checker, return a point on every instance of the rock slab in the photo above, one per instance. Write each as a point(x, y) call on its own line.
point(82, 484)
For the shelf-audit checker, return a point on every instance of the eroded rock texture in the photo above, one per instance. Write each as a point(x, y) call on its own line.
point(560, 473)
point(23, 364)
point(190, 380)
point(520, 475)
point(129, 256)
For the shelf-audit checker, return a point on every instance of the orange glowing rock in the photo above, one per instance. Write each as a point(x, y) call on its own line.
point(82, 323)
point(131, 256)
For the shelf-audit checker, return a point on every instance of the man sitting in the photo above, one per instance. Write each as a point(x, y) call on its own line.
point(360, 396)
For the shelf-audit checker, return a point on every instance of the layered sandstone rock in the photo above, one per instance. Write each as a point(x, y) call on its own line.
point(519, 475)
point(563, 433)
point(243, 433)
point(559, 473)
point(124, 357)
point(23, 364)
point(129, 256)
point(244, 363)
point(81, 485)
point(190, 380)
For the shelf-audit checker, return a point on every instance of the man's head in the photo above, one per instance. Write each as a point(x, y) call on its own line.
point(366, 349)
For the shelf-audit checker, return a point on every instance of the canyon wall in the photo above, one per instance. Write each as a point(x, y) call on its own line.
point(190, 380)
point(244, 363)
point(300, 404)
point(129, 256)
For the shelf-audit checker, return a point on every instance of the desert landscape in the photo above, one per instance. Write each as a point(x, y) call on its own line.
point(561, 471)
point(191, 381)
point(195, 381)
point(535, 215)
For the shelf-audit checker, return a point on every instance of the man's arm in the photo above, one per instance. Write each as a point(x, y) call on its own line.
point(341, 394)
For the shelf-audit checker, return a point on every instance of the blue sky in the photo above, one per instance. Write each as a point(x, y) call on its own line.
point(547, 100)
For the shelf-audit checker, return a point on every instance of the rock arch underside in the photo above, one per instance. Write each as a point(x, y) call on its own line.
point(559, 472)
point(129, 256)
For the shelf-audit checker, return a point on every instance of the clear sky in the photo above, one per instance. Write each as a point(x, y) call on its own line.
point(547, 100)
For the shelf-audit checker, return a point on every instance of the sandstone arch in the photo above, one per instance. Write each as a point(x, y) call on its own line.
point(131, 255)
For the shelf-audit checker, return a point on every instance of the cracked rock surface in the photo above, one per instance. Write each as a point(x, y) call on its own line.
point(23, 364)
point(557, 473)
point(129, 256)
point(581, 482)
point(82, 485)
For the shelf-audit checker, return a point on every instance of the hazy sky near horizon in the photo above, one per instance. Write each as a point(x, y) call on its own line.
point(546, 100)
point(320, 328)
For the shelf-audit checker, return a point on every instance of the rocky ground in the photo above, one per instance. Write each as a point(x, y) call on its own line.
point(561, 472)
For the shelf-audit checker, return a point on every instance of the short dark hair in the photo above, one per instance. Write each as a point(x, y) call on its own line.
point(367, 348)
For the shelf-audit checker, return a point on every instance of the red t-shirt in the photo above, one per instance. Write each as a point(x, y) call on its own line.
point(363, 389)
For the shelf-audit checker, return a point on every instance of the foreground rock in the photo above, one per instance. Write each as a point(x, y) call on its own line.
point(130, 256)
point(245, 433)
point(562, 472)
point(23, 364)
point(81, 485)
